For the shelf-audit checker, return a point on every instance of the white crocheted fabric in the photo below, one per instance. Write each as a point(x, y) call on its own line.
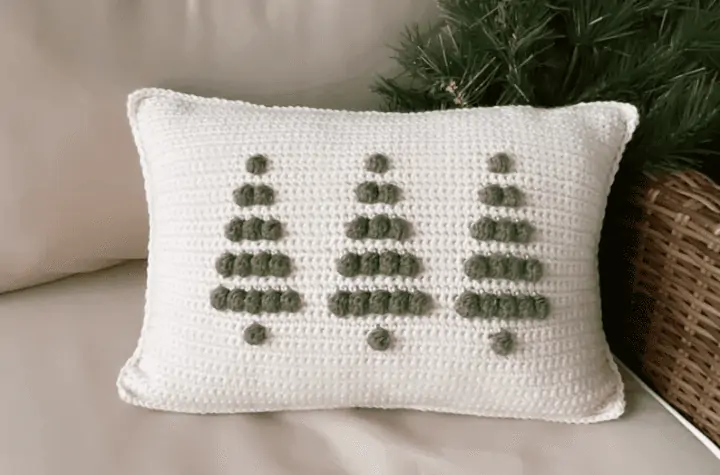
point(312, 259)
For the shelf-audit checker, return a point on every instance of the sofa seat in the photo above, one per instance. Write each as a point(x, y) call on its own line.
point(62, 344)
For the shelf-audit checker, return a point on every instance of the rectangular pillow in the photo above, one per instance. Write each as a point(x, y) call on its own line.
point(308, 259)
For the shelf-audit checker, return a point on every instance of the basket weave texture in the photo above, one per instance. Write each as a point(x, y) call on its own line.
point(676, 295)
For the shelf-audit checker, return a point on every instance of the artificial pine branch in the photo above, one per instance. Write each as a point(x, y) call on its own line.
point(661, 55)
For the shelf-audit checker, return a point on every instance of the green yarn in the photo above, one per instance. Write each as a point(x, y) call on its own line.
point(533, 270)
point(271, 230)
point(511, 197)
point(270, 301)
point(253, 301)
point(419, 303)
point(339, 303)
point(252, 229)
point(234, 230)
point(515, 268)
point(290, 301)
point(499, 163)
point(506, 306)
point(367, 192)
point(379, 227)
point(255, 334)
point(236, 300)
point(377, 163)
point(523, 231)
point(358, 303)
point(369, 263)
point(379, 302)
point(504, 231)
point(409, 265)
point(225, 263)
point(399, 302)
point(260, 263)
point(348, 265)
point(379, 339)
point(243, 265)
point(280, 265)
point(491, 195)
point(542, 307)
point(264, 195)
point(257, 164)
point(502, 343)
point(245, 195)
point(483, 229)
point(497, 266)
point(357, 228)
point(388, 194)
point(399, 229)
point(218, 298)
point(389, 263)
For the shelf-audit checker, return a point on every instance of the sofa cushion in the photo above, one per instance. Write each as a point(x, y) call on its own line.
point(440, 261)
point(61, 346)
point(70, 187)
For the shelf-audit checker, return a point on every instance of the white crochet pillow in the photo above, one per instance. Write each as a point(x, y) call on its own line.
point(311, 259)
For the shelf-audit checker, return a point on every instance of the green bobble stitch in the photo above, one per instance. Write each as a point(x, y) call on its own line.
point(508, 306)
point(523, 231)
point(379, 339)
point(367, 192)
point(388, 193)
point(515, 268)
point(377, 163)
point(499, 163)
point(253, 301)
point(502, 342)
point(483, 229)
point(504, 231)
point(339, 304)
point(369, 263)
point(489, 305)
point(542, 307)
point(290, 301)
point(236, 300)
point(468, 305)
point(476, 267)
point(409, 265)
point(419, 303)
point(491, 195)
point(243, 266)
point(280, 265)
point(533, 270)
point(498, 266)
point(358, 303)
point(399, 229)
point(526, 307)
point(234, 230)
point(389, 263)
point(379, 302)
point(349, 265)
point(271, 230)
point(264, 195)
point(244, 196)
point(260, 263)
point(357, 228)
point(218, 298)
point(379, 227)
point(255, 334)
point(399, 301)
point(224, 264)
point(252, 228)
point(511, 197)
point(271, 301)
point(257, 164)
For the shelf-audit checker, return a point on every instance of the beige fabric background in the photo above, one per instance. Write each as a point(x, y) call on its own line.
point(71, 197)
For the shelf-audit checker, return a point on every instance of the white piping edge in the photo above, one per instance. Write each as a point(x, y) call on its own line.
point(714, 449)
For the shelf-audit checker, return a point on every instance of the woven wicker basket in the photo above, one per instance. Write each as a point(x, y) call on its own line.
point(674, 329)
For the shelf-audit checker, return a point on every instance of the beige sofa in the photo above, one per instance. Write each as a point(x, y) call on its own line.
point(72, 202)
